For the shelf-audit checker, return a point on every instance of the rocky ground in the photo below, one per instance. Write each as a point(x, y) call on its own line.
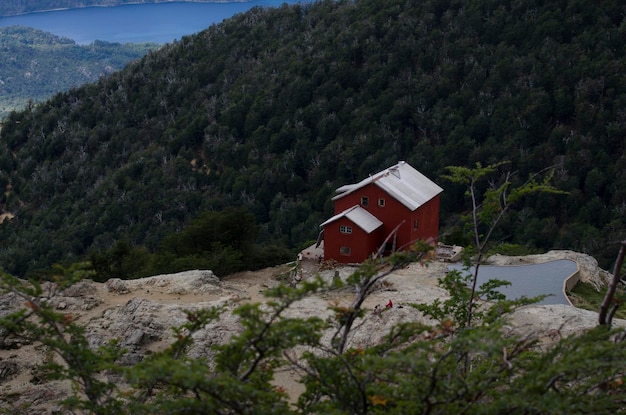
point(141, 312)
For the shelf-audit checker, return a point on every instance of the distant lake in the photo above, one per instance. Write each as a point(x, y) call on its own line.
point(136, 23)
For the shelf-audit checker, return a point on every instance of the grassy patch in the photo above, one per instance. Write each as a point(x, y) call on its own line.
point(513, 250)
point(585, 296)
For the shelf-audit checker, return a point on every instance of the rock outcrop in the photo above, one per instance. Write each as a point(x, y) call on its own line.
point(140, 313)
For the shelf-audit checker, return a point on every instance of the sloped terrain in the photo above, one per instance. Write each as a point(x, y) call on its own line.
point(35, 65)
point(141, 312)
point(274, 109)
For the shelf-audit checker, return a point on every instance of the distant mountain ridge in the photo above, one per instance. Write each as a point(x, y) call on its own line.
point(29, 6)
point(274, 109)
point(35, 65)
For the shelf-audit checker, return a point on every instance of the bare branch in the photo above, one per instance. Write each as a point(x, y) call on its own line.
point(604, 316)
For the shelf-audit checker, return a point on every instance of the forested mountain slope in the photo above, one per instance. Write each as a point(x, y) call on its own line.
point(274, 109)
point(34, 65)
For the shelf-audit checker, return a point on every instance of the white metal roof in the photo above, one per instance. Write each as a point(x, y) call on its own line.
point(402, 182)
point(360, 217)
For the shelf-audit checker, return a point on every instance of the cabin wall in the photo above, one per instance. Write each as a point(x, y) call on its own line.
point(360, 244)
point(380, 204)
point(421, 224)
point(424, 224)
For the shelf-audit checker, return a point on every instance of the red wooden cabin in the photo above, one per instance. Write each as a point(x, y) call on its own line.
point(391, 210)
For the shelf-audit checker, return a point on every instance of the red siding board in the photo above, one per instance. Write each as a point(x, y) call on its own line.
point(360, 243)
point(426, 217)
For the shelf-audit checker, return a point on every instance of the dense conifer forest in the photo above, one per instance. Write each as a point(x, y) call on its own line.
point(35, 65)
point(273, 109)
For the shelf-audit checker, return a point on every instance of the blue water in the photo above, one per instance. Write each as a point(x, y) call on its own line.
point(135, 23)
point(530, 280)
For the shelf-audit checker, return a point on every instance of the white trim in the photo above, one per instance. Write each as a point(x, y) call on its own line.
point(360, 217)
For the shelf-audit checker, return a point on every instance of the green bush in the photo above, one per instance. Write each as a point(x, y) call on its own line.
point(513, 250)
point(223, 242)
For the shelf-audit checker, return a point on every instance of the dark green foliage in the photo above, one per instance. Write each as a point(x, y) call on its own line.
point(121, 261)
point(512, 250)
point(275, 108)
point(267, 255)
point(233, 228)
point(224, 242)
point(36, 65)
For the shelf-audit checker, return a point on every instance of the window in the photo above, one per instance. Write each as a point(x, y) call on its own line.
point(381, 202)
point(344, 250)
point(345, 229)
point(365, 200)
point(415, 224)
